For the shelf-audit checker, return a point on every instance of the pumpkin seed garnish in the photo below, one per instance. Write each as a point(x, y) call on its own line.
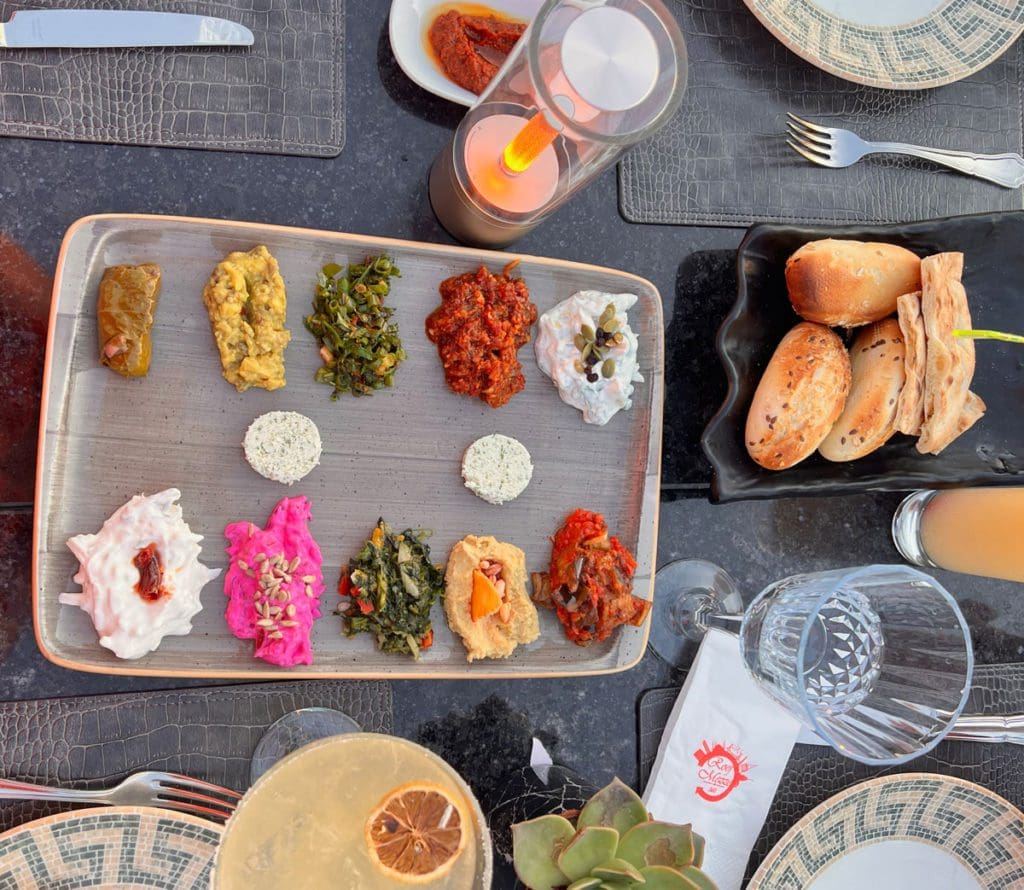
point(593, 345)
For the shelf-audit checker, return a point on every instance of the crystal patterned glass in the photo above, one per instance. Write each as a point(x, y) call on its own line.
point(876, 660)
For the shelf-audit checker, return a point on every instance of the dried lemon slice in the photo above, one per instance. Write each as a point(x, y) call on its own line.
point(417, 832)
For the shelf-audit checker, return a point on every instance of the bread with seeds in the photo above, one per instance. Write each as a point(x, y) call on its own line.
point(878, 368)
point(801, 394)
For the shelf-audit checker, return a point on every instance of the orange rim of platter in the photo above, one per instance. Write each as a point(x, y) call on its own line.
point(401, 673)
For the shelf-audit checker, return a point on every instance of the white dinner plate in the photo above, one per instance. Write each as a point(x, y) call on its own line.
point(409, 23)
point(895, 44)
point(892, 832)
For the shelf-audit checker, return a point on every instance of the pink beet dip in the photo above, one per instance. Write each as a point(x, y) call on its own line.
point(274, 583)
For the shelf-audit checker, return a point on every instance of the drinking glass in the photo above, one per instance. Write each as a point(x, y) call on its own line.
point(972, 530)
point(295, 730)
point(877, 660)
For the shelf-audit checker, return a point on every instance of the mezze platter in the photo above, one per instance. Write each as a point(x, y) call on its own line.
point(396, 454)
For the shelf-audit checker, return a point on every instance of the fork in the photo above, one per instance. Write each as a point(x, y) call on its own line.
point(833, 147)
point(168, 791)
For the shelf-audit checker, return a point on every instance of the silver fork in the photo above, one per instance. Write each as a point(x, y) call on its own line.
point(833, 147)
point(168, 791)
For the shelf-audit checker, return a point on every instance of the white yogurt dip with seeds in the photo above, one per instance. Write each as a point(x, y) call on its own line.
point(560, 357)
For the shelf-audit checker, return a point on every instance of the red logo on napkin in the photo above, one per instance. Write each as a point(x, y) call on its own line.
point(720, 769)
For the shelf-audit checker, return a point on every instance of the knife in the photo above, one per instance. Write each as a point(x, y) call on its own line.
point(108, 27)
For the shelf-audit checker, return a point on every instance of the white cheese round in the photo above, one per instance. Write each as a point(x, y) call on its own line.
point(600, 399)
point(497, 468)
point(282, 445)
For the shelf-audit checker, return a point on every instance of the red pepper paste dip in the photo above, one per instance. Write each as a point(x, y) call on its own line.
point(471, 48)
point(482, 322)
point(150, 585)
point(589, 583)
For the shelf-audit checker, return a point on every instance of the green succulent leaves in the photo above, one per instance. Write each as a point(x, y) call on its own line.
point(615, 845)
point(657, 843)
point(537, 844)
point(587, 850)
point(616, 806)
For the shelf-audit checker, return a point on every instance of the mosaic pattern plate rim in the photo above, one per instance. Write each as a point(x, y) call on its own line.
point(953, 41)
point(54, 839)
point(985, 824)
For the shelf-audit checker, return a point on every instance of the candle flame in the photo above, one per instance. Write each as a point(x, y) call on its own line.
point(529, 143)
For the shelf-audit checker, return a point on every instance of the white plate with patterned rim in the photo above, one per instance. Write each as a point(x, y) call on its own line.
point(892, 832)
point(110, 847)
point(895, 44)
point(408, 25)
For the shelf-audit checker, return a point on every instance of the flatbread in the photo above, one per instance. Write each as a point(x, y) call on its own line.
point(910, 406)
point(950, 360)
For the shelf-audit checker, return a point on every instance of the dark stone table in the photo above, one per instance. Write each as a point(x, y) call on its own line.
point(378, 186)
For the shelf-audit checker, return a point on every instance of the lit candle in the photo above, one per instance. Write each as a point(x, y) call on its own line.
point(530, 142)
point(521, 192)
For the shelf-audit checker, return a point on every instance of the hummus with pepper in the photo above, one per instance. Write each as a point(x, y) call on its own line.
point(485, 597)
point(246, 300)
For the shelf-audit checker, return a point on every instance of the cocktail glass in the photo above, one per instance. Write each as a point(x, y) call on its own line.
point(876, 660)
point(295, 730)
point(307, 822)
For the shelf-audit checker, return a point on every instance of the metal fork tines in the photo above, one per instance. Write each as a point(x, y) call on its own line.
point(151, 788)
point(835, 147)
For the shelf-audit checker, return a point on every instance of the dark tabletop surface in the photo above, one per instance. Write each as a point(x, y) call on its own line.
point(378, 186)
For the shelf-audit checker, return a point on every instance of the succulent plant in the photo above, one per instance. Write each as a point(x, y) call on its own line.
point(614, 845)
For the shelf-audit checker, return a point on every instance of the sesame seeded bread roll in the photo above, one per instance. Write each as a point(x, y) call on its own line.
point(878, 366)
point(800, 396)
point(850, 283)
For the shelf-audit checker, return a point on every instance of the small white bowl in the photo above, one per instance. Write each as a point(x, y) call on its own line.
point(408, 25)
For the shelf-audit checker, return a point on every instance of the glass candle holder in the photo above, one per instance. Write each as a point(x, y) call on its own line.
point(586, 81)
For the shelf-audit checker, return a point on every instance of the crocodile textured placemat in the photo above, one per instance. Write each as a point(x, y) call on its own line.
point(723, 160)
point(283, 95)
point(209, 733)
point(816, 772)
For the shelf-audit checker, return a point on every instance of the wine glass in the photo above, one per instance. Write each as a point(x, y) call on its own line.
point(295, 730)
point(877, 660)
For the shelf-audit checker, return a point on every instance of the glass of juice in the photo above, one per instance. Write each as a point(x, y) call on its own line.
point(357, 810)
point(977, 531)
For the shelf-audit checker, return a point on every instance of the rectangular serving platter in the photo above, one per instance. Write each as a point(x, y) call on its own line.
point(396, 454)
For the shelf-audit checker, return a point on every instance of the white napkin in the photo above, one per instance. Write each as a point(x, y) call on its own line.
point(721, 757)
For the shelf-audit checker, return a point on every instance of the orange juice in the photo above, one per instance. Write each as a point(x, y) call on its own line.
point(303, 825)
point(979, 531)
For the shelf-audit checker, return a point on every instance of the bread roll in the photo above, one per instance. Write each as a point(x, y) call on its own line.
point(868, 421)
point(801, 393)
point(850, 283)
